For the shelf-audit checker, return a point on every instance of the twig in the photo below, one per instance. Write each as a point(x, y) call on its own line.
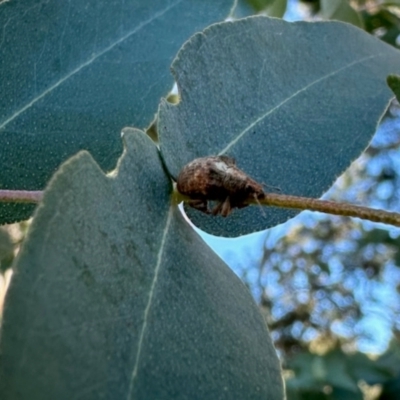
point(20, 196)
point(331, 207)
point(270, 199)
point(325, 206)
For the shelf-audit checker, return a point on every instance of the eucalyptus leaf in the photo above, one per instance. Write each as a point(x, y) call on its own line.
point(74, 73)
point(272, 8)
point(340, 10)
point(394, 83)
point(390, 3)
point(339, 393)
point(391, 389)
point(6, 250)
point(339, 375)
point(243, 8)
point(277, 9)
point(293, 103)
point(115, 296)
point(260, 5)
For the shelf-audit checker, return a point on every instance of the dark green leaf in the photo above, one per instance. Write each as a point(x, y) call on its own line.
point(366, 369)
point(74, 73)
point(383, 23)
point(273, 8)
point(335, 370)
point(376, 235)
point(343, 394)
point(294, 103)
point(6, 250)
point(276, 9)
point(338, 374)
point(391, 389)
point(243, 8)
point(390, 360)
point(260, 5)
point(305, 366)
point(394, 83)
point(391, 3)
point(305, 395)
point(341, 11)
point(115, 296)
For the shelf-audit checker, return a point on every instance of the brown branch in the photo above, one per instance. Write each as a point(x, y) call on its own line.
point(20, 196)
point(325, 206)
point(270, 199)
point(330, 207)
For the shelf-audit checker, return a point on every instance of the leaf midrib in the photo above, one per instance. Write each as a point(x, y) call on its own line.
point(150, 300)
point(88, 62)
point(291, 97)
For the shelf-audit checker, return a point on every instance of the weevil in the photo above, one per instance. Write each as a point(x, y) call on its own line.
point(217, 179)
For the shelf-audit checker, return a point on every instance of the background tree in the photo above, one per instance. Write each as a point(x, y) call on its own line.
point(330, 286)
point(308, 296)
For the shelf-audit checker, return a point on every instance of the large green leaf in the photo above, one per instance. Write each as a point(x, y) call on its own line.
point(340, 10)
point(115, 296)
point(74, 73)
point(391, 3)
point(277, 9)
point(272, 8)
point(294, 103)
point(260, 5)
point(314, 373)
point(6, 250)
point(394, 83)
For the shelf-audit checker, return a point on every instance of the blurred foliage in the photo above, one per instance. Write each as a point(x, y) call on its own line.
point(326, 282)
point(340, 10)
point(274, 8)
point(330, 286)
point(337, 375)
point(7, 253)
point(11, 237)
point(6, 250)
point(380, 18)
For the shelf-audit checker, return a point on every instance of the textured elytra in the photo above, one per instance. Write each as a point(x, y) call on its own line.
point(217, 179)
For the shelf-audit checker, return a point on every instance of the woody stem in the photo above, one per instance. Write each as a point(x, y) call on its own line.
point(20, 196)
point(330, 207)
point(325, 206)
point(270, 199)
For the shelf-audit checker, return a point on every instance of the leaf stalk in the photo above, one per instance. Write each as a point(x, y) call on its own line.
point(331, 207)
point(21, 196)
point(325, 206)
point(270, 199)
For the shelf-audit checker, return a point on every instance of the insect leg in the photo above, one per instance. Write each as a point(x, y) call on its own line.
point(226, 207)
point(200, 205)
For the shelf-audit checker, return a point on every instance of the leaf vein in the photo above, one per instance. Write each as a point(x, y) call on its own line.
point(87, 63)
point(150, 300)
point(295, 94)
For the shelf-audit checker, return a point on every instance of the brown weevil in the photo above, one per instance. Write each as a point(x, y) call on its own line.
point(218, 179)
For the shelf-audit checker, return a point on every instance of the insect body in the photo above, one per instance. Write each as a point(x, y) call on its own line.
point(217, 179)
